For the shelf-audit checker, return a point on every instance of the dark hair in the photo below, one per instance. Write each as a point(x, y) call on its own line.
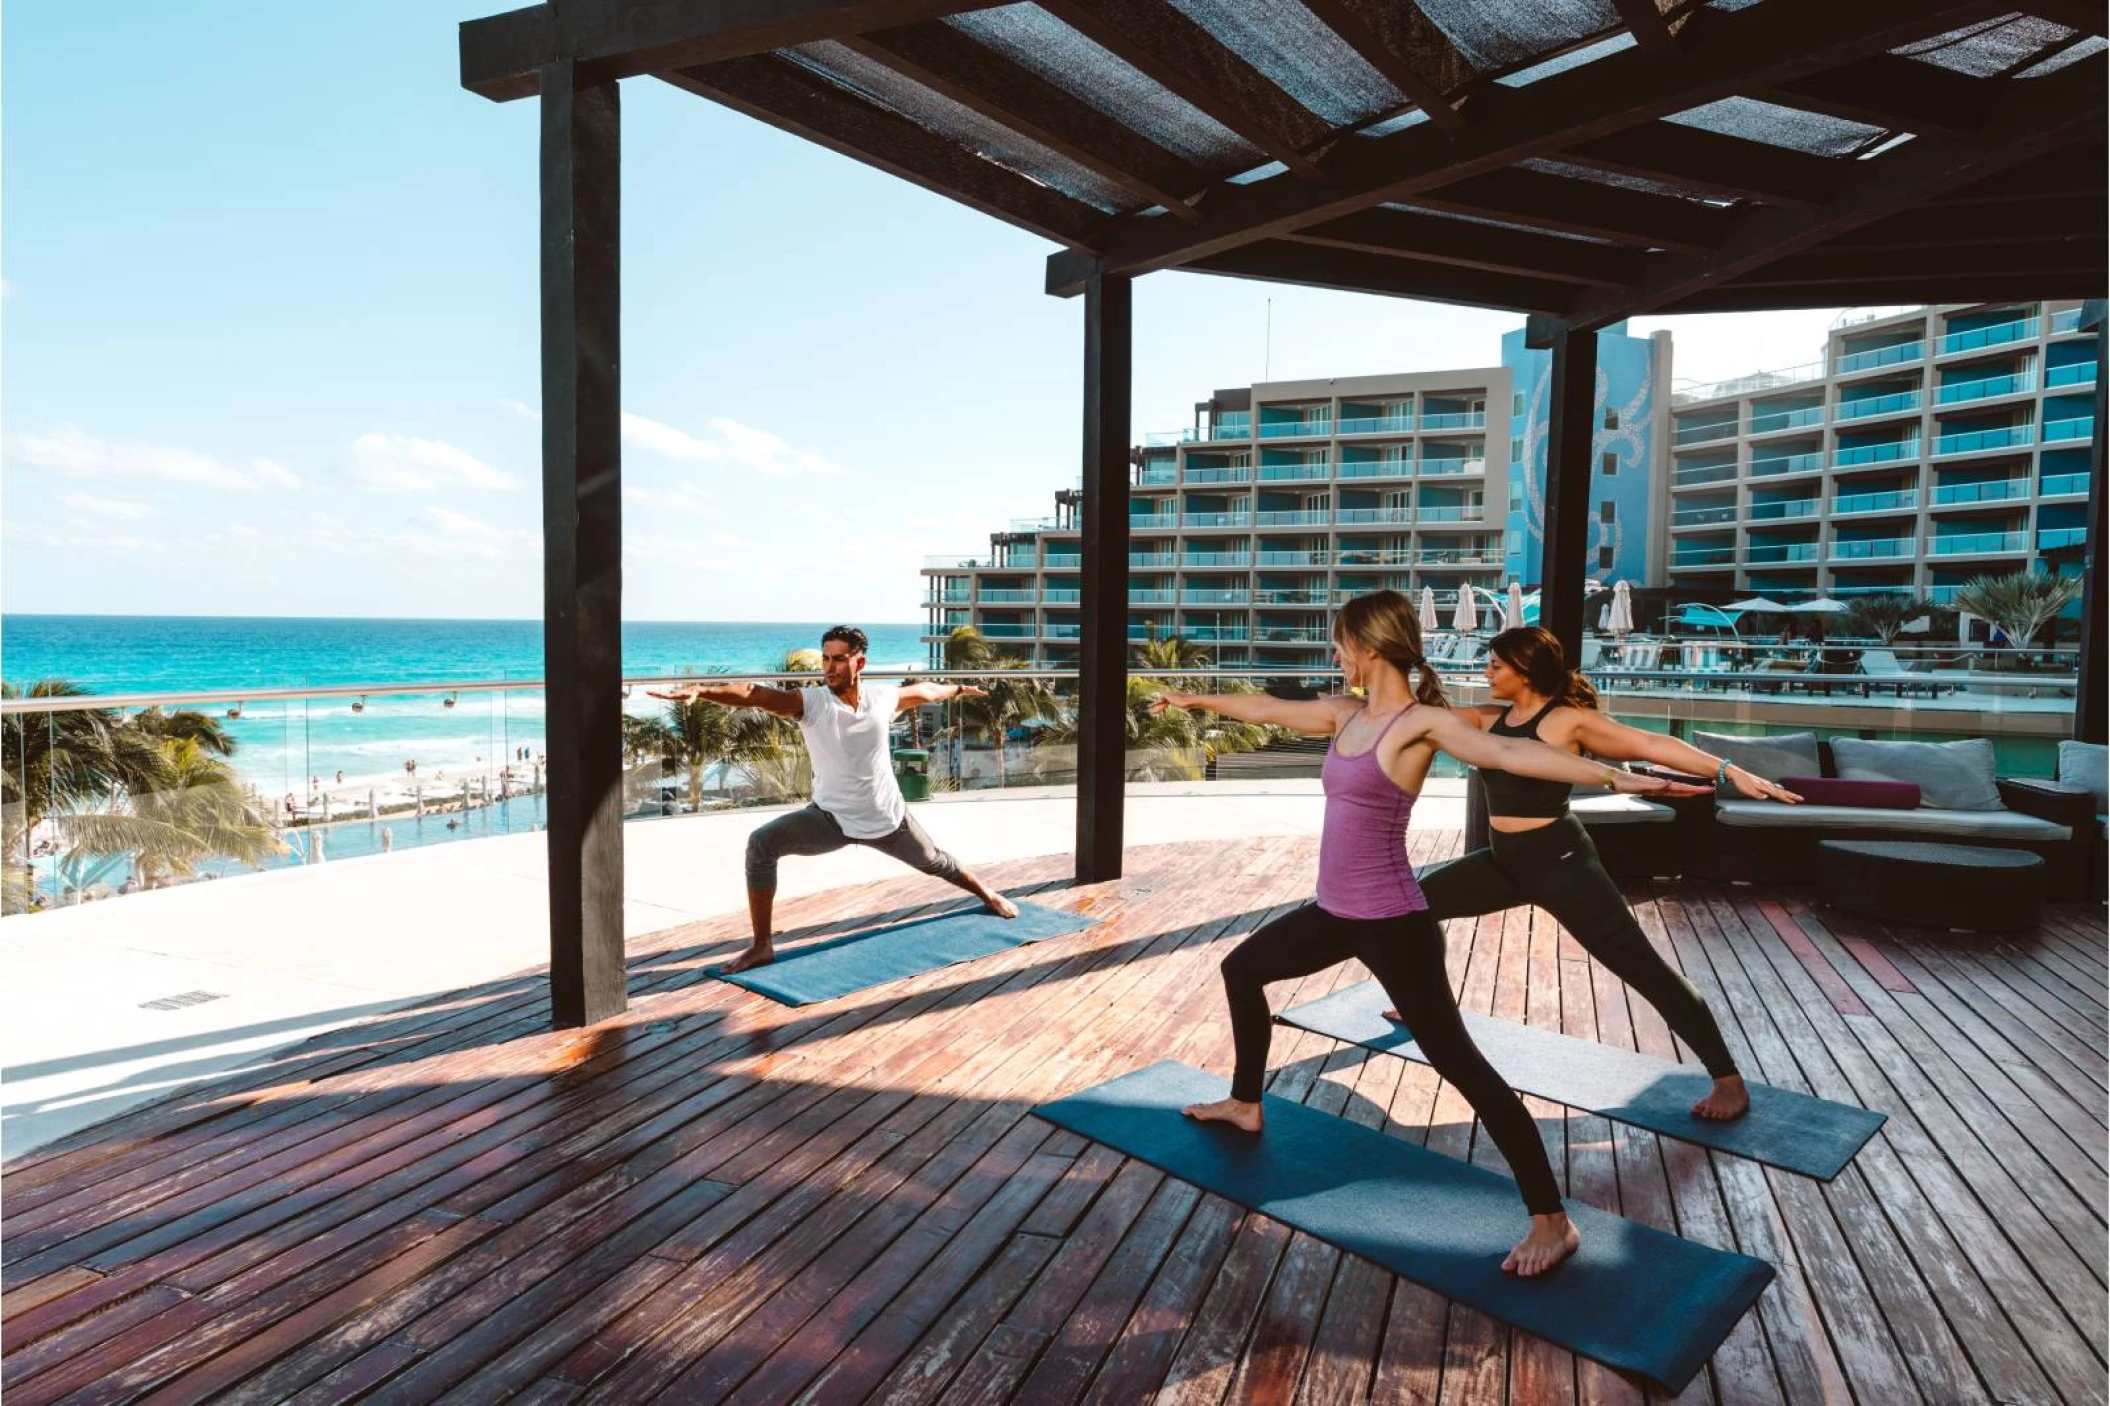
point(1385, 621)
point(849, 635)
point(1537, 655)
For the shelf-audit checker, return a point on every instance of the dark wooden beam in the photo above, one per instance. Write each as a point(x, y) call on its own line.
point(1572, 205)
point(950, 63)
point(2087, 16)
point(1711, 164)
point(2091, 711)
point(1183, 56)
point(582, 541)
point(2051, 220)
point(1472, 245)
point(2037, 116)
point(503, 55)
point(1723, 54)
point(2075, 171)
point(1654, 23)
point(2082, 253)
point(1389, 275)
point(1401, 42)
point(1102, 652)
point(1897, 94)
point(796, 101)
point(1984, 288)
point(1571, 429)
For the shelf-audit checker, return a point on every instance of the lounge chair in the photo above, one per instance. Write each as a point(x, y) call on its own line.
point(1882, 668)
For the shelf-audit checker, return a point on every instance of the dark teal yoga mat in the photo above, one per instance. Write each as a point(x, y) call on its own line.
point(1784, 1129)
point(1633, 1298)
point(821, 971)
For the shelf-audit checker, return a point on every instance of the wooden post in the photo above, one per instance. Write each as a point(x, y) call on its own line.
point(1563, 563)
point(1102, 654)
point(2091, 704)
point(582, 540)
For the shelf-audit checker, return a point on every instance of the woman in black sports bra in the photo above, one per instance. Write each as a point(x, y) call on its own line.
point(1540, 853)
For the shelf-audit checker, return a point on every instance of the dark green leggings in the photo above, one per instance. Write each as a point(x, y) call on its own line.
point(1556, 868)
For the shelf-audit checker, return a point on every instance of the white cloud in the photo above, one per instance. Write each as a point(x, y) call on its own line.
point(473, 529)
point(402, 464)
point(271, 471)
point(524, 410)
point(681, 498)
point(124, 509)
point(730, 443)
point(68, 449)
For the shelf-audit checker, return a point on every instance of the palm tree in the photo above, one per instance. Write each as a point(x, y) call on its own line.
point(1172, 652)
point(191, 810)
point(769, 748)
point(1175, 745)
point(1011, 699)
point(189, 725)
point(2018, 605)
point(52, 764)
point(966, 652)
point(1885, 615)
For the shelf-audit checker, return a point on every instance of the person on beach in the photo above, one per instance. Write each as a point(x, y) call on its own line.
point(856, 800)
point(1540, 853)
point(1368, 905)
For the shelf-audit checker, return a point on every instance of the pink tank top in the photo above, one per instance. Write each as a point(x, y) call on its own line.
point(1363, 869)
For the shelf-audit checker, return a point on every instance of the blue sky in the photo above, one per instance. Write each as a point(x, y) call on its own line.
point(270, 337)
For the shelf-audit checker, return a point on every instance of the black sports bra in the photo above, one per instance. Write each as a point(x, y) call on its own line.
point(1523, 797)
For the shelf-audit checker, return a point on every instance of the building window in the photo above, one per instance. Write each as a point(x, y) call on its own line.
point(1512, 541)
point(1608, 465)
point(1516, 496)
point(1608, 511)
point(1516, 449)
point(1516, 403)
point(1611, 419)
point(1604, 558)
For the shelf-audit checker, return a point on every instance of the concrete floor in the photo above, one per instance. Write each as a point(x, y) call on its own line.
point(295, 952)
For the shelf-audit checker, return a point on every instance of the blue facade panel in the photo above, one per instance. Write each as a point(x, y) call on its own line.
point(1625, 423)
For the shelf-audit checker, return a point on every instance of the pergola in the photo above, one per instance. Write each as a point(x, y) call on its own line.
point(1578, 161)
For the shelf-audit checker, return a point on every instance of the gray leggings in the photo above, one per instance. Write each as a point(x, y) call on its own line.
point(814, 831)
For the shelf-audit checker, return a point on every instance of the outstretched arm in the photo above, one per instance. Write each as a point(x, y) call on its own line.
point(784, 702)
point(1603, 737)
point(915, 695)
point(1526, 757)
point(1315, 717)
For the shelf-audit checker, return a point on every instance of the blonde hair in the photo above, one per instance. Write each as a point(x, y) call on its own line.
point(1385, 621)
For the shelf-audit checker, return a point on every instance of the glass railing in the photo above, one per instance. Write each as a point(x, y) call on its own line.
point(1376, 468)
point(1292, 473)
point(1152, 558)
point(1214, 634)
point(1062, 595)
point(1156, 522)
point(2065, 431)
point(1440, 515)
point(1005, 631)
point(1386, 424)
point(1787, 419)
point(1999, 335)
point(1770, 553)
point(1063, 561)
point(1009, 597)
point(1695, 478)
point(1061, 630)
point(1291, 595)
point(1467, 420)
point(1297, 517)
point(1874, 453)
point(1368, 556)
point(1217, 559)
point(1794, 508)
point(1444, 556)
point(1871, 549)
point(1881, 356)
point(1963, 392)
point(1273, 634)
point(2076, 373)
point(1295, 558)
point(1875, 502)
point(1152, 596)
point(2060, 485)
point(1239, 519)
point(1359, 516)
point(1704, 556)
point(1879, 405)
point(1977, 543)
point(1777, 464)
point(1992, 491)
point(1433, 467)
point(1157, 478)
point(1214, 597)
point(1980, 441)
point(1704, 434)
point(1217, 475)
point(1701, 517)
point(1294, 429)
point(2052, 539)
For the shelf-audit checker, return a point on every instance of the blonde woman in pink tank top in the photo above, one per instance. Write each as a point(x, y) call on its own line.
point(1368, 904)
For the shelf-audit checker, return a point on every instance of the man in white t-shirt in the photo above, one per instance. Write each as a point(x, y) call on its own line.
point(856, 800)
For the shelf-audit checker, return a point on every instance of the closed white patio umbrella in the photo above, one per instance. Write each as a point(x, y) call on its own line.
point(1428, 609)
point(1513, 609)
point(1466, 617)
point(1622, 608)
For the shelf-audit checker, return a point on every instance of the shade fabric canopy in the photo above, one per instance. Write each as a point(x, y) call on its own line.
point(1823, 605)
point(1757, 603)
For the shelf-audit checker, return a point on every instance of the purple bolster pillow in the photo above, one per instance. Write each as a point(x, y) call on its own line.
point(1870, 795)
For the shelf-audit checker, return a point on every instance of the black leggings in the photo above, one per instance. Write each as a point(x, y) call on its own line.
point(1405, 954)
point(1556, 868)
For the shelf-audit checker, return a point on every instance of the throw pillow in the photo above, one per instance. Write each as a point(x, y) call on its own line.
point(2087, 764)
point(1950, 775)
point(1868, 795)
point(1783, 754)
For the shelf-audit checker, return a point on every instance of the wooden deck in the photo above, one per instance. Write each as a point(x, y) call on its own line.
point(718, 1198)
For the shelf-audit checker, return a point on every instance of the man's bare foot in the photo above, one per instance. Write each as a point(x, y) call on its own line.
point(1729, 1100)
point(1001, 906)
point(759, 954)
point(1552, 1239)
point(1226, 1110)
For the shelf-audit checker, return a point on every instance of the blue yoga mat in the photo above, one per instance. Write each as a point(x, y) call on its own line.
point(1633, 1298)
point(1784, 1129)
point(821, 971)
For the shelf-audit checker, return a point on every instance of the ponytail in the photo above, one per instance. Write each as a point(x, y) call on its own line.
point(1385, 621)
point(1428, 688)
point(1577, 691)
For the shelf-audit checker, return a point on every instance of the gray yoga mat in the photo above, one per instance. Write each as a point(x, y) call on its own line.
point(1784, 1129)
point(1632, 1297)
point(821, 971)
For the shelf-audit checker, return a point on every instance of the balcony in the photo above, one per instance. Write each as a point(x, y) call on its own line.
point(1214, 634)
point(1152, 596)
point(1703, 434)
point(1703, 556)
point(1376, 468)
point(1464, 556)
point(1386, 424)
point(1432, 467)
point(1194, 597)
point(1846, 504)
point(1978, 544)
point(1978, 338)
point(1872, 549)
point(1997, 490)
point(1775, 421)
point(1293, 517)
point(1292, 634)
point(1362, 516)
point(1061, 595)
point(1476, 515)
point(2079, 373)
point(1219, 475)
point(1291, 595)
point(1063, 561)
point(1898, 355)
point(2063, 485)
point(1154, 522)
point(1237, 519)
point(1696, 478)
point(1295, 558)
point(1467, 420)
point(1778, 464)
point(2053, 539)
point(1230, 427)
point(1873, 454)
point(1984, 441)
point(1872, 406)
point(1703, 517)
point(1773, 553)
point(1007, 632)
point(2067, 321)
point(1009, 597)
point(1157, 478)
point(1294, 473)
point(1964, 392)
point(1783, 511)
point(1152, 558)
point(1295, 429)
point(1217, 559)
point(2067, 431)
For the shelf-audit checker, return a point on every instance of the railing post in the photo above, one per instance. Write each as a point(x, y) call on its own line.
point(582, 540)
point(1102, 655)
point(1570, 431)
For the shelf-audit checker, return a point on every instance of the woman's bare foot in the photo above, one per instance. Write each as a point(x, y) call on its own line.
point(1727, 1101)
point(1001, 906)
point(759, 954)
point(1237, 1113)
point(1394, 1016)
point(1552, 1239)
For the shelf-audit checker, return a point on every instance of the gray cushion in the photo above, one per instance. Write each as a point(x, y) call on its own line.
point(1620, 810)
point(1783, 754)
point(2008, 825)
point(2087, 764)
point(1950, 775)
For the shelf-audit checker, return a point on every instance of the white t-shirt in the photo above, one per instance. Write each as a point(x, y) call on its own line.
point(853, 775)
